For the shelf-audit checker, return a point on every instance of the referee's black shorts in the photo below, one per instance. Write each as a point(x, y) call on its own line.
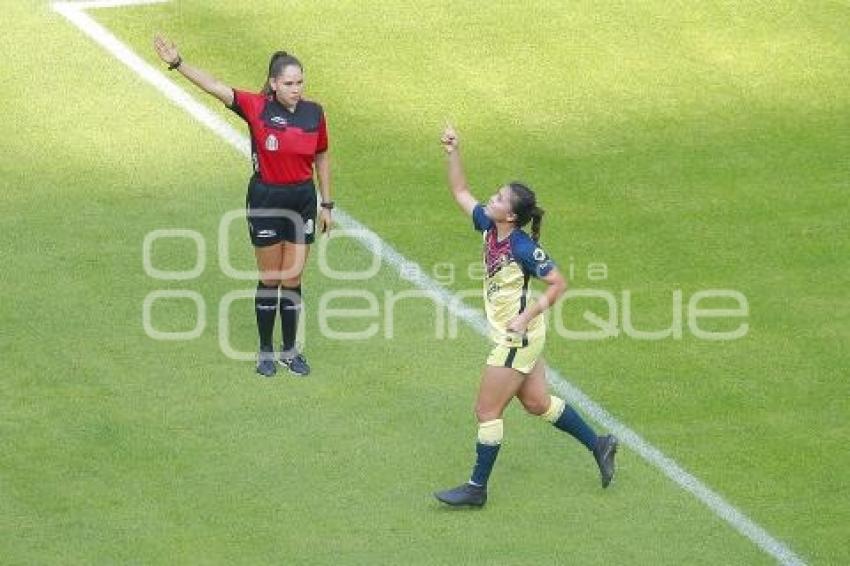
point(281, 213)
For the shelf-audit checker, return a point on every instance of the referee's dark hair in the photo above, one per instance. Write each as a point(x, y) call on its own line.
point(279, 61)
point(526, 209)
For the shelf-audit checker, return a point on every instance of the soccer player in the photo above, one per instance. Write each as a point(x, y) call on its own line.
point(288, 139)
point(515, 367)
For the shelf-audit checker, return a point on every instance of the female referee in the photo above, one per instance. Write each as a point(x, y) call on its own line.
point(288, 139)
point(515, 367)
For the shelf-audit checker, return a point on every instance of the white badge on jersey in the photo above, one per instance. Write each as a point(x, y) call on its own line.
point(271, 143)
point(539, 254)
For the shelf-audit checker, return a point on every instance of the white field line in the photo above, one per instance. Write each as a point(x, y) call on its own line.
point(412, 272)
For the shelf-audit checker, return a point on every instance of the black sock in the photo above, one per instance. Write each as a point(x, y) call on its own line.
point(265, 303)
point(290, 305)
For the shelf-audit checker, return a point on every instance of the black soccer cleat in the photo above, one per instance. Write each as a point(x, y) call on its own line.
point(265, 363)
point(464, 495)
point(296, 364)
point(604, 452)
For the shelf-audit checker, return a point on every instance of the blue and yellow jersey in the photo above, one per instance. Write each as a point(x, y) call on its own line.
point(510, 264)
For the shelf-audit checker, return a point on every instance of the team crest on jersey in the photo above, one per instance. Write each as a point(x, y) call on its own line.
point(539, 255)
point(271, 143)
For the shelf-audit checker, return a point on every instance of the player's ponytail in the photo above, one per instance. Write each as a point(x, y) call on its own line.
point(279, 61)
point(536, 221)
point(526, 209)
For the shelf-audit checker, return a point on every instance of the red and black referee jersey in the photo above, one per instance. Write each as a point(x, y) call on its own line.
point(284, 144)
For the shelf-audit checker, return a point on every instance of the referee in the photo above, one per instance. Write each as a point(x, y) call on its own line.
point(288, 140)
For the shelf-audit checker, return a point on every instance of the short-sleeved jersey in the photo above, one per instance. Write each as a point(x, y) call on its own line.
point(509, 263)
point(284, 144)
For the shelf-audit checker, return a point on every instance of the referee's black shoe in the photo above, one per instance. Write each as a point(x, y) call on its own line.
point(296, 364)
point(464, 495)
point(265, 363)
point(604, 452)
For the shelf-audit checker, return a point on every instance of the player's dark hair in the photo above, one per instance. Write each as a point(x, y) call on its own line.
point(525, 207)
point(279, 61)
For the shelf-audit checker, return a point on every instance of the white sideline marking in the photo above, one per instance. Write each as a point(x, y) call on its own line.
point(83, 5)
point(75, 13)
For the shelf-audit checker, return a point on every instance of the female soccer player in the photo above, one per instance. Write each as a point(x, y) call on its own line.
point(514, 367)
point(288, 139)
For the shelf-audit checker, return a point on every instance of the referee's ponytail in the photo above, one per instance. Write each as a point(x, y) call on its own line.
point(279, 61)
point(526, 209)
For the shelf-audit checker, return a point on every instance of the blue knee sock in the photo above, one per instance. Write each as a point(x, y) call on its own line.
point(572, 423)
point(484, 463)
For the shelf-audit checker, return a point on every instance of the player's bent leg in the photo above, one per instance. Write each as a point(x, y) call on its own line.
point(536, 400)
point(533, 394)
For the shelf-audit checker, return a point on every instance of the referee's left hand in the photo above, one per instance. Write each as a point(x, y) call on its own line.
point(325, 221)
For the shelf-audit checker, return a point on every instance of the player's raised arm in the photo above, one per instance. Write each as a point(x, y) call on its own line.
point(457, 179)
point(167, 51)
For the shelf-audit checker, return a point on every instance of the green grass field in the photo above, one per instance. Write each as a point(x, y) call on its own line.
point(686, 145)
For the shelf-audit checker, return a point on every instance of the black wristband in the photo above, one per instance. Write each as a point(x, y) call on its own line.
point(328, 205)
point(175, 64)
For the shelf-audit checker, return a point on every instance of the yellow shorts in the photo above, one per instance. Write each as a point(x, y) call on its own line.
point(521, 358)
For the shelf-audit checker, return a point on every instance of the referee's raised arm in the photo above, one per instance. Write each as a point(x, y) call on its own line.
point(457, 180)
point(169, 54)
